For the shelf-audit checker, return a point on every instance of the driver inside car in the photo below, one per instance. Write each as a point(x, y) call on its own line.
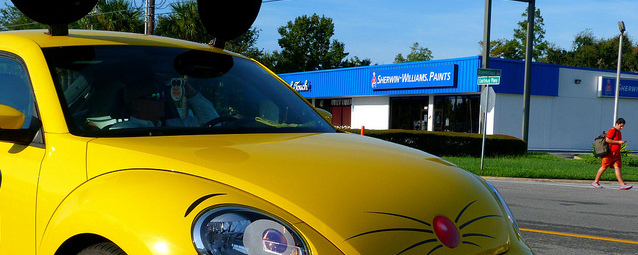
point(146, 102)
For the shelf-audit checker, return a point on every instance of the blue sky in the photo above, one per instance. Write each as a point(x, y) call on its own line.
point(380, 29)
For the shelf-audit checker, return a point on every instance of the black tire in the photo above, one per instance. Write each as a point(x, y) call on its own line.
point(102, 249)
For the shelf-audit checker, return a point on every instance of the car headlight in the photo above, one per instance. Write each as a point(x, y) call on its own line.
point(501, 201)
point(243, 231)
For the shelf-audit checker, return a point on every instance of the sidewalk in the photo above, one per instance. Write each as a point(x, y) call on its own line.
point(606, 184)
point(566, 154)
point(573, 154)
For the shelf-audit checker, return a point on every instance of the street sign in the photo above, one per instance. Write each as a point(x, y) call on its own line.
point(489, 80)
point(488, 97)
point(488, 72)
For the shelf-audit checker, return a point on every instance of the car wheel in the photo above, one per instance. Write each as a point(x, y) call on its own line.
point(102, 249)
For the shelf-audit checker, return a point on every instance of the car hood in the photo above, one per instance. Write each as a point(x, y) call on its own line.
point(365, 195)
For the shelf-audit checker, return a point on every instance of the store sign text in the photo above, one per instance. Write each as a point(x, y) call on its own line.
point(420, 77)
point(607, 87)
point(298, 86)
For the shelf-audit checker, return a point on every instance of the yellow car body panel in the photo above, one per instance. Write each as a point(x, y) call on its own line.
point(342, 193)
point(63, 170)
point(17, 199)
point(138, 215)
point(324, 194)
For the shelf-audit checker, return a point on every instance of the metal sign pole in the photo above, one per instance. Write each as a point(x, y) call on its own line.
point(487, 103)
point(487, 77)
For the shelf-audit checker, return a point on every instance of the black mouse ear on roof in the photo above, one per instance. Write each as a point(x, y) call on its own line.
point(227, 19)
point(55, 13)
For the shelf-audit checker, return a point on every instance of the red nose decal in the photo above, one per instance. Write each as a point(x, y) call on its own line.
point(446, 232)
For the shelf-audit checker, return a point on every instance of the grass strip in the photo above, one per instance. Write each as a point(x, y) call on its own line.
point(545, 166)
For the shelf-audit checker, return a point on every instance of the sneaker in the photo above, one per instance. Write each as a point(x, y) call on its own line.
point(626, 187)
point(596, 185)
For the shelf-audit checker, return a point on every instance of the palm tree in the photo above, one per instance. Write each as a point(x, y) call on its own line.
point(113, 15)
point(183, 23)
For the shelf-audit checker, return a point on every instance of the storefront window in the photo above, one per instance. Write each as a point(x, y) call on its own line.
point(409, 113)
point(456, 113)
point(451, 113)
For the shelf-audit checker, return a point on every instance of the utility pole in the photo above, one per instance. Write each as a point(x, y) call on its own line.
point(150, 17)
point(486, 33)
point(527, 85)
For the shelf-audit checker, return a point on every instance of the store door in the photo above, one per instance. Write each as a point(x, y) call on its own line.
point(341, 116)
point(340, 109)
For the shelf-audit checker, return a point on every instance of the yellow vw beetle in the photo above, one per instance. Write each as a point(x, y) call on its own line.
point(118, 143)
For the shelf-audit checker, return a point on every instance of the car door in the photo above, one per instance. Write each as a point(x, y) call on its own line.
point(19, 162)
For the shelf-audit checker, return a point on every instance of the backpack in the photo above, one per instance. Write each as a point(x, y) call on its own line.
point(601, 148)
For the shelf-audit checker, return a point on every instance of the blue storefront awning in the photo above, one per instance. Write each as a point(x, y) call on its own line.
point(451, 76)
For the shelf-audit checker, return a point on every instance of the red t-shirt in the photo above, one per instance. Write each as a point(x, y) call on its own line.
point(615, 135)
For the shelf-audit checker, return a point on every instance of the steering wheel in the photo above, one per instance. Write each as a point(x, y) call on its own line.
point(220, 119)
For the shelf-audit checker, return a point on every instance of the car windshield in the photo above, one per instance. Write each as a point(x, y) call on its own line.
point(140, 90)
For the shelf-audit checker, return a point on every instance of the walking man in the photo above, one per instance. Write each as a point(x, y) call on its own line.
point(613, 158)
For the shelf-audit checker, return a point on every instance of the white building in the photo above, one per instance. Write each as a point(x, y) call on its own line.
point(569, 106)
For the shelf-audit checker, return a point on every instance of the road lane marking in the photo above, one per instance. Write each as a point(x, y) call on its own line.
point(580, 236)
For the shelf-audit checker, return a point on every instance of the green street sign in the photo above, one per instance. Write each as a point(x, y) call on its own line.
point(489, 80)
point(488, 72)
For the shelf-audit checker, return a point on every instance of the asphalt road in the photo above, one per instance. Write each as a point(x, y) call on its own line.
point(571, 217)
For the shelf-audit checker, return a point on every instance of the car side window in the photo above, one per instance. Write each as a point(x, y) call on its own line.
point(15, 89)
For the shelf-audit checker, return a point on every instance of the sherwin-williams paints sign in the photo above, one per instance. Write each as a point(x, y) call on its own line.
point(418, 77)
point(607, 87)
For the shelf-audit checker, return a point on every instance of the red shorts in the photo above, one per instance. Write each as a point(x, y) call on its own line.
point(612, 159)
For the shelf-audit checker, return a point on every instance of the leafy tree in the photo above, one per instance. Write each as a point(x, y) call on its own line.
point(306, 45)
point(12, 19)
point(589, 51)
point(245, 44)
point(113, 15)
point(557, 55)
point(355, 61)
point(516, 47)
point(417, 53)
point(184, 23)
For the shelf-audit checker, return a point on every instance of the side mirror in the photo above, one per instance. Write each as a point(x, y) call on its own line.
point(325, 114)
point(10, 118)
point(11, 121)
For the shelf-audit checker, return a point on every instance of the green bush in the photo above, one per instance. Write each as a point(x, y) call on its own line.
point(628, 159)
point(623, 150)
point(451, 143)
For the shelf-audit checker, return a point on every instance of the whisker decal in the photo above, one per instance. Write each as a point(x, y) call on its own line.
point(479, 218)
point(470, 243)
point(462, 211)
point(443, 232)
point(479, 235)
point(435, 248)
point(406, 217)
point(393, 229)
point(417, 244)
